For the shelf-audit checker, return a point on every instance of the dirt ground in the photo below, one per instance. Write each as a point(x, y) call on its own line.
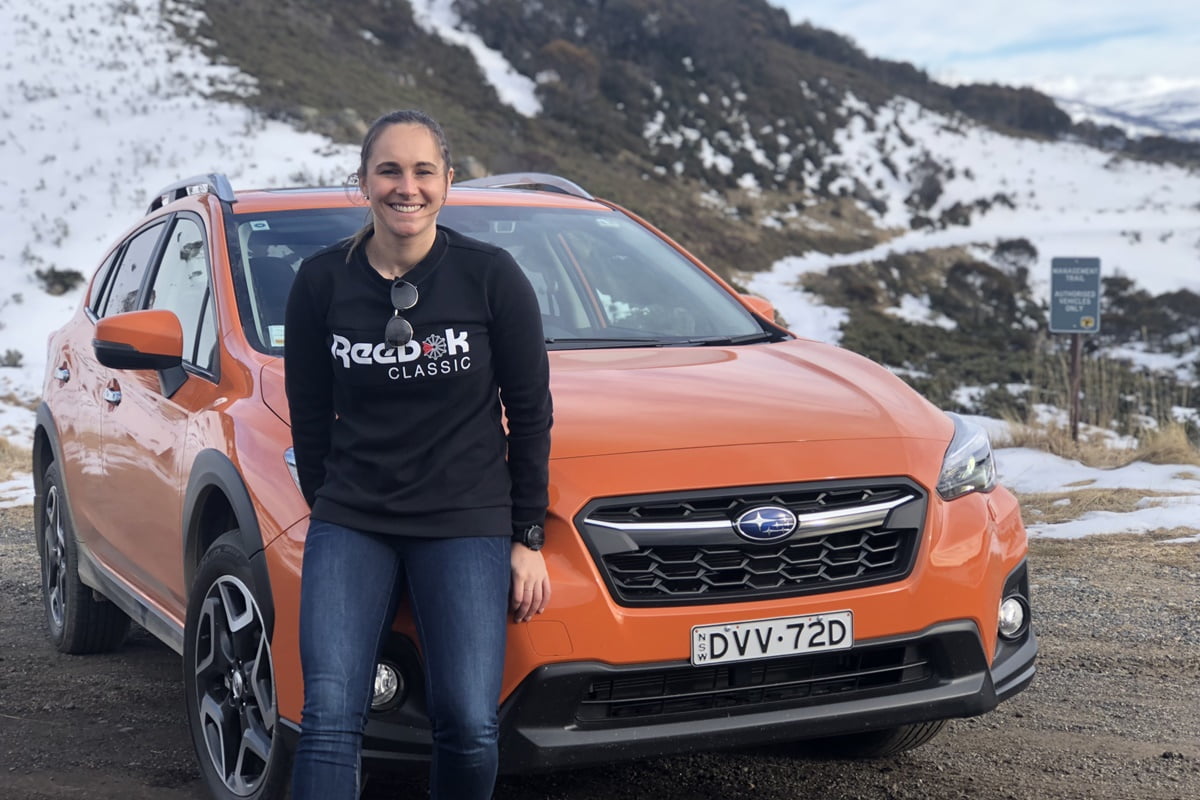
point(1114, 712)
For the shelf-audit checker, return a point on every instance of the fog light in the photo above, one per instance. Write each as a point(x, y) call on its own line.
point(389, 687)
point(1013, 617)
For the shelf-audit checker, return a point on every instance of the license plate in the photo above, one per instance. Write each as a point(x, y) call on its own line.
point(768, 638)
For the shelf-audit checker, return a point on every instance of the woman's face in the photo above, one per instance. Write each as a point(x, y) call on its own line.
point(406, 181)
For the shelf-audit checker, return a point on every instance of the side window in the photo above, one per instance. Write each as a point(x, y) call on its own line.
point(181, 285)
point(101, 282)
point(206, 341)
point(121, 295)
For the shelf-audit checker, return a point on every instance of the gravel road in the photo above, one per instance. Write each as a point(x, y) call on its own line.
point(1114, 712)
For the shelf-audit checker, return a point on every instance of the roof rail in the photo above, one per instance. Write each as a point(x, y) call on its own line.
point(529, 180)
point(214, 182)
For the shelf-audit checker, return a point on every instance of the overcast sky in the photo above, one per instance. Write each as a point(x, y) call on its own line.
point(1020, 42)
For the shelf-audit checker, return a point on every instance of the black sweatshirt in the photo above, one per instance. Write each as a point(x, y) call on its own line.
point(411, 441)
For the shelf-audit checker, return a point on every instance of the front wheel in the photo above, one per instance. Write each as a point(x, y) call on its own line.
point(877, 744)
point(229, 680)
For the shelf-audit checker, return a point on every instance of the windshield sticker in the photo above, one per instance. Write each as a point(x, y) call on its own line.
point(275, 335)
point(259, 225)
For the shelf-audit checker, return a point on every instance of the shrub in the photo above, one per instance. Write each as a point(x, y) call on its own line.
point(59, 281)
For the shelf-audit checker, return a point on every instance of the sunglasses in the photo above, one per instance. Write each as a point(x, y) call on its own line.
point(399, 331)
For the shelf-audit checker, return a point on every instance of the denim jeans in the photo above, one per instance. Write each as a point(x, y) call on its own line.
point(350, 588)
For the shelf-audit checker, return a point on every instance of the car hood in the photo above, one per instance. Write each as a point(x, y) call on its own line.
point(629, 400)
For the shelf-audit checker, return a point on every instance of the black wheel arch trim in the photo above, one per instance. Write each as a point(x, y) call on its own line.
point(46, 425)
point(212, 470)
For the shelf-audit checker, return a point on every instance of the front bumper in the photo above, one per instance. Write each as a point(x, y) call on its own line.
point(586, 713)
point(550, 722)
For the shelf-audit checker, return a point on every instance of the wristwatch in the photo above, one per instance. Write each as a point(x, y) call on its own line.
point(532, 536)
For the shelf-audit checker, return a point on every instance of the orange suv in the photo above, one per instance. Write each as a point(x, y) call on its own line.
point(752, 537)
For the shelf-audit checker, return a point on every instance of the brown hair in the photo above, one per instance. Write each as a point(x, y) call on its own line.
point(407, 116)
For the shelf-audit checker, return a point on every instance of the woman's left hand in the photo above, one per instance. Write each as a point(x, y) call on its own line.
point(530, 583)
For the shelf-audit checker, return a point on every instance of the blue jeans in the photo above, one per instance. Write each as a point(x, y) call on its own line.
point(350, 588)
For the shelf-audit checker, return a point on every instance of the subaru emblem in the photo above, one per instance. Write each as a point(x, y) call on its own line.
point(765, 524)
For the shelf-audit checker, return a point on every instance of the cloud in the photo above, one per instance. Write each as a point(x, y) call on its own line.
point(1061, 43)
point(1018, 41)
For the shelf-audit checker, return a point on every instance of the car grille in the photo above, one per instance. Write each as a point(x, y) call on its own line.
point(793, 681)
point(684, 550)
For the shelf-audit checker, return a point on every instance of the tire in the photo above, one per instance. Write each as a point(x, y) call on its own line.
point(78, 618)
point(229, 681)
point(877, 744)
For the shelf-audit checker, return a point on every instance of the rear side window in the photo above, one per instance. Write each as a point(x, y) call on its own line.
point(102, 278)
point(121, 293)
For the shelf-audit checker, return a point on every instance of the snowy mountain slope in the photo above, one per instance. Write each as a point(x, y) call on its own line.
point(105, 104)
point(102, 107)
point(1141, 220)
point(1145, 107)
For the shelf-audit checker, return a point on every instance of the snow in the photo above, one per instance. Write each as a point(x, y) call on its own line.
point(1175, 505)
point(513, 88)
point(17, 492)
point(88, 133)
point(916, 310)
point(1147, 106)
point(1141, 220)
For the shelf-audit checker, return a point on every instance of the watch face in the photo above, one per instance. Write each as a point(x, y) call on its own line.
point(535, 537)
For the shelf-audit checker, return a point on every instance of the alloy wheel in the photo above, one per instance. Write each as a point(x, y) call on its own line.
point(54, 559)
point(235, 685)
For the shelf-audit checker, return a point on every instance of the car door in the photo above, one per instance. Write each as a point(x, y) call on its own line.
point(81, 429)
point(73, 390)
point(146, 422)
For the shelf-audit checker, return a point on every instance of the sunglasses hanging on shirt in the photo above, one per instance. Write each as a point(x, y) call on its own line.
point(399, 331)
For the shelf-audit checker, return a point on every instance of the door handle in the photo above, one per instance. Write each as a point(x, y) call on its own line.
point(112, 395)
point(62, 374)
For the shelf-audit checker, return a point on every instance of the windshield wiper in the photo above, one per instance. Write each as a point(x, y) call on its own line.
point(745, 338)
point(624, 341)
point(654, 341)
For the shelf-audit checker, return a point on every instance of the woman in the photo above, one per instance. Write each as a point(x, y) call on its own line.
point(402, 345)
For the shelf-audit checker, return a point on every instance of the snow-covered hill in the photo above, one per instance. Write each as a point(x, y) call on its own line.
point(101, 103)
point(1140, 107)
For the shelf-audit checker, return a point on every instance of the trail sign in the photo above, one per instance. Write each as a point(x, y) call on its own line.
point(1074, 295)
point(1075, 309)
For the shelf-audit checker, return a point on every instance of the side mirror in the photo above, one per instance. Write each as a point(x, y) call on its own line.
point(151, 339)
point(759, 305)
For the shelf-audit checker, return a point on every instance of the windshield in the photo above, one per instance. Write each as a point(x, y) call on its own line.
point(601, 279)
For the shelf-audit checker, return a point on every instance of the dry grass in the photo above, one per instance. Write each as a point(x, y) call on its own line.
point(1119, 549)
point(13, 459)
point(1054, 507)
point(12, 399)
point(1166, 445)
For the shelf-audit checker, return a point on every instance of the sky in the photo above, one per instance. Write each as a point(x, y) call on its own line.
point(68, 190)
point(1059, 47)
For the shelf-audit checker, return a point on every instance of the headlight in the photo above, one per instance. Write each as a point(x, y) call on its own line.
point(289, 456)
point(968, 465)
